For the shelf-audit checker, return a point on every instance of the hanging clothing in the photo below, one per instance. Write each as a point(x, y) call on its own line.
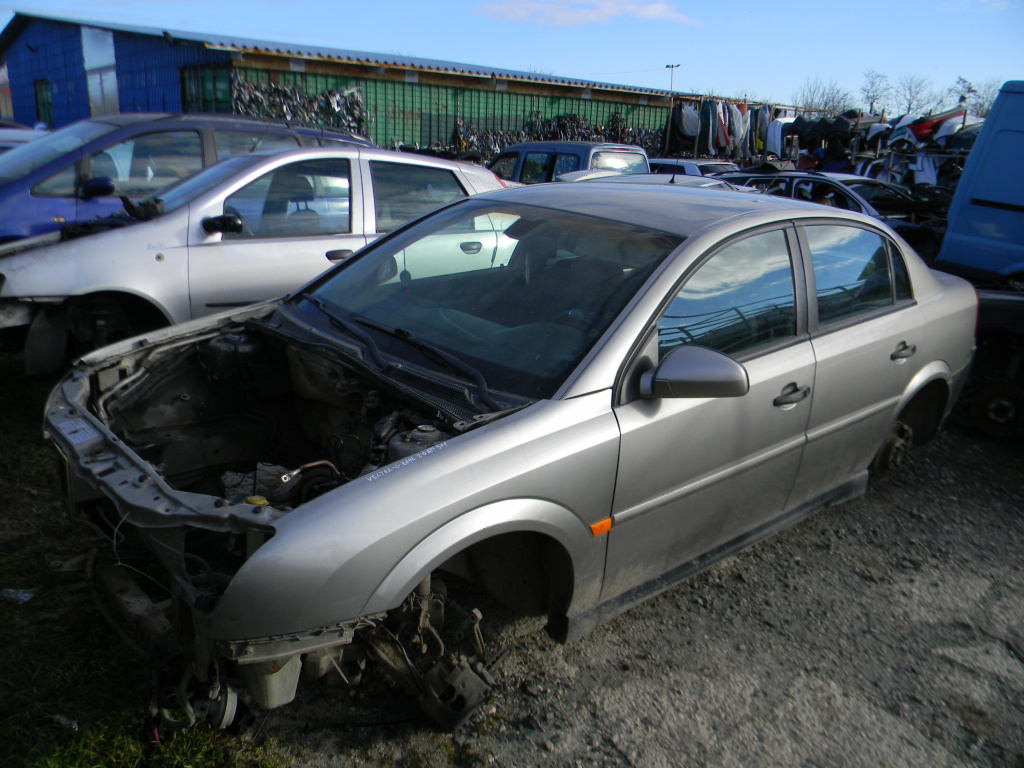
point(773, 144)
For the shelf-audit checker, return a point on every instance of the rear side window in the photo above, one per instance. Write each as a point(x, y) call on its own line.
point(565, 164)
point(740, 299)
point(851, 272)
point(148, 163)
point(402, 192)
point(535, 166)
point(505, 166)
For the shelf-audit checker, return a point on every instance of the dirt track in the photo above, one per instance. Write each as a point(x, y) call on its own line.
point(885, 631)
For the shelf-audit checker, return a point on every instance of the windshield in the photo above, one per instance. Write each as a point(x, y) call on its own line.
point(518, 294)
point(188, 189)
point(25, 159)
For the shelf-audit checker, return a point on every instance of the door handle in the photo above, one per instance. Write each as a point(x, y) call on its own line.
point(791, 395)
point(470, 248)
point(903, 351)
point(339, 255)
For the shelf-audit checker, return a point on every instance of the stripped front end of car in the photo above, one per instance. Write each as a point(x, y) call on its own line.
point(184, 454)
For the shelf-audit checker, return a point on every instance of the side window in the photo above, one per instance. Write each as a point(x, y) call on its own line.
point(61, 184)
point(305, 199)
point(851, 271)
point(535, 165)
point(740, 299)
point(505, 166)
point(402, 192)
point(231, 143)
point(900, 275)
point(148, 163)
point(769, 186)
point(565, 164)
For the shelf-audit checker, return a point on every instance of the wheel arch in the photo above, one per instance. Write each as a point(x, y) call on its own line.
point(61, 332)
point(490, 539)
point(145, 304)
point(926, 401)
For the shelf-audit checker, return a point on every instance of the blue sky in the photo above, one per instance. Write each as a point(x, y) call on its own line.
point(761, 50)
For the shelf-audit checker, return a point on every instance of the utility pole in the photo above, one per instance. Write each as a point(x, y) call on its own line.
point(671, 104)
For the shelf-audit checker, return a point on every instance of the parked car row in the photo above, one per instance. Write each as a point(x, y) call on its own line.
point(251, 228)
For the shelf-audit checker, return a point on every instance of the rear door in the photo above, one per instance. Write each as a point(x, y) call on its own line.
point(397, 192)
point(866, 331)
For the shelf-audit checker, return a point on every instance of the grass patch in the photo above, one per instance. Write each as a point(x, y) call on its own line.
point(71, 694)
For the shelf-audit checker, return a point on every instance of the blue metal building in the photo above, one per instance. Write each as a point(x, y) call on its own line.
point(62, 70)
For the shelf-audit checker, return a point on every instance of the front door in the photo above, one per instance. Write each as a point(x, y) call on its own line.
point(297, 221)
point(695, 474)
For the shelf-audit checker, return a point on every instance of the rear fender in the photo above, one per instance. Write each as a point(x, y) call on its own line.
point(937, 370)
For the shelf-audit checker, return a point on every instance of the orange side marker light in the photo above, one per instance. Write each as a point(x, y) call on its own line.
point(602, 527)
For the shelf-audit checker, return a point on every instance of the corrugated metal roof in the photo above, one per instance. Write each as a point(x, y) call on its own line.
point(296, 50)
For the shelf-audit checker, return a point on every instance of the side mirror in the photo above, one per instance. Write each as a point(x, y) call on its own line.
point(229, 224)
point(695, 372)
point(97, 186)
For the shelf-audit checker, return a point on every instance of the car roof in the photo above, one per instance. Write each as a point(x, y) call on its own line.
point(677, 160)
point(574, 145)
point(223, 121)
point(281, 157)
point(675, 209)
point(827, 175)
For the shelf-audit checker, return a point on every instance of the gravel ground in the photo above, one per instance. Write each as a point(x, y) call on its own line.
point(886, 631)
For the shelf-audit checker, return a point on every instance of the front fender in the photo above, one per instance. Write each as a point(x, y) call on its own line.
point(508, 516)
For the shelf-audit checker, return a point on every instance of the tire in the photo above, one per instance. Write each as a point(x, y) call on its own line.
point(995, 407)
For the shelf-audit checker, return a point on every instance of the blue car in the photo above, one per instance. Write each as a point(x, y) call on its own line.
point(81, 171)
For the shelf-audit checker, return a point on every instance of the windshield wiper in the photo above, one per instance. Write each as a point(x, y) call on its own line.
point(98, 224)
point(431, 350)
point(353, 330)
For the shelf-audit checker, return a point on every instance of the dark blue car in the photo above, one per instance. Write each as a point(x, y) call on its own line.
point(82, 171)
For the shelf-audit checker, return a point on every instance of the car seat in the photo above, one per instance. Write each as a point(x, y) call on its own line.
point(303, 220)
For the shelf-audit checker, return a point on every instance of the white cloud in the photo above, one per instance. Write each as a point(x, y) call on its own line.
point(574, 13)
point(997, 5)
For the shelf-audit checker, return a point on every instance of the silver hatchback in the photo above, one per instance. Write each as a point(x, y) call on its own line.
point(625, 384)
point(248, 229)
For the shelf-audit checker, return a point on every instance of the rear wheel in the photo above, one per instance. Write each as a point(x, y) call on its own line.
point(890, 456)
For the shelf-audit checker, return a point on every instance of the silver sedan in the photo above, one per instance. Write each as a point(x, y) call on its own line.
point(624, 384)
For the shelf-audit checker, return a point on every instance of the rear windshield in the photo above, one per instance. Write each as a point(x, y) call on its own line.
point(23, 160)
point(625, 162)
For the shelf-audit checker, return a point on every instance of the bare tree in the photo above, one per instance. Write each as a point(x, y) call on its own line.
point(817, 96)
point(913, 93)
point(981, 102)
point(961, 91)
point(876, 90)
